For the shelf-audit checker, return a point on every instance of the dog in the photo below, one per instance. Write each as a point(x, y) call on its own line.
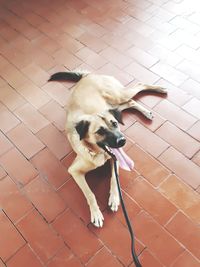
point(94, 111)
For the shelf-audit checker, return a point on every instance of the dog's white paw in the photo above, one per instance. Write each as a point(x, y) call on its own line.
point(96, 217)
point(163, 90)
point(114, 202)
point(149, 115)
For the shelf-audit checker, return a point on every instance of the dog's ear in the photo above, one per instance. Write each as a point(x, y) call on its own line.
point(82, 128)
point(117, 114)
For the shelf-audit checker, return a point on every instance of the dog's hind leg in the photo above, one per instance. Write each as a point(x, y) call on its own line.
point(133, 104)
point(131, 92)
point(78, 169)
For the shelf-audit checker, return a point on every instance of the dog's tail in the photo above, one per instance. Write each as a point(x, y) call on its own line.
point(68, 76)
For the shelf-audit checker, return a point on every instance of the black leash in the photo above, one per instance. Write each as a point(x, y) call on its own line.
point(134, 255)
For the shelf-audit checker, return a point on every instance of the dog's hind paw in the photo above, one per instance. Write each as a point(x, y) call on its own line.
point(96, 217)
point(114, 202)
point(149, 115)
point(163, 90)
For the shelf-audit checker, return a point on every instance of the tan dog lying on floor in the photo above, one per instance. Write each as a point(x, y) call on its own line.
point(93, 113)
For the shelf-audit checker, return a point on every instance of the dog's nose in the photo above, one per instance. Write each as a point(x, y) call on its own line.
point(121, 141)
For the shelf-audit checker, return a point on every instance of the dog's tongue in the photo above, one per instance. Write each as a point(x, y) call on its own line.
point(124, 161)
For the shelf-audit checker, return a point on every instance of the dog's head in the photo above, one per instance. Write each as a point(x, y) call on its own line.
point(102, 129)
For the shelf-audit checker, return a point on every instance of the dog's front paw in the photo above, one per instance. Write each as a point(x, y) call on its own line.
point(114, 201)
point(96, 217)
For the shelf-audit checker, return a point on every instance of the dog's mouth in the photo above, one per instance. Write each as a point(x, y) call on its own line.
point(125, 162)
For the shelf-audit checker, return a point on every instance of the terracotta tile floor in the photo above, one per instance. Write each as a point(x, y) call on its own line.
point(44, 218)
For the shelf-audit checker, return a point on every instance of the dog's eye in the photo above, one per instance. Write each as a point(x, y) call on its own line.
point(101, 131)
point(114, 124)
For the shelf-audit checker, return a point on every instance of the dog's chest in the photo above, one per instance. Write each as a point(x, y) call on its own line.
point(98, 159)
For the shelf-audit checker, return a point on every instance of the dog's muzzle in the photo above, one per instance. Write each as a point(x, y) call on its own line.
point(121, 141)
